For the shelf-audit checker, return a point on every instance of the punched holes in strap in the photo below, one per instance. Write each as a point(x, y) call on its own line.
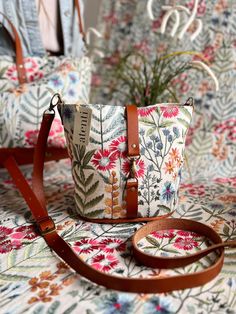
point(133, 154)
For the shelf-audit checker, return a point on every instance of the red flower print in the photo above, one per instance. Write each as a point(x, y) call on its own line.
point(228, 127)
point(185, 243)
point(169, 167)
point(164, 234)
point(140, 168)
point(201, 7)
point(104, 160)
point(57, 126)
point(31, 137)
point(30, 64)
point(145, 112)
point(7, 246)
point(111, 18)
point(27, 231)
point(230, 181)
point(184, 233)
point(12, 73)
point(119, 146)
point(4, 232)
point(104, 262)
point(170, 111)
point(35, 76)
point(57, 141)
point(96, 80)
point(142, 47)
point(85, 246)
point(31, 68)
point(194, 189)
point(110, 245)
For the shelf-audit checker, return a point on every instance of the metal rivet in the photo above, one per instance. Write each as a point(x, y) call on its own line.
point(133, 145)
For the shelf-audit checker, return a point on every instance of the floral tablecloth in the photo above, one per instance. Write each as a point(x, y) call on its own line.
point(34, 280)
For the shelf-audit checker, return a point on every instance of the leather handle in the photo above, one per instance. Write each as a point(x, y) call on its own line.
point(137, 285)
point(19, 52)
point(81, 28)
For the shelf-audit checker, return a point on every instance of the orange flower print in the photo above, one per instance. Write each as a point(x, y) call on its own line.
point(174, 154)
point(55, 288)
point(169, 167)
point(37, 284)
point(47, 275)
point(42, 296)
point(62, 268)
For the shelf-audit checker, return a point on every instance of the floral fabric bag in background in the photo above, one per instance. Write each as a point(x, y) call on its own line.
point(26, 86)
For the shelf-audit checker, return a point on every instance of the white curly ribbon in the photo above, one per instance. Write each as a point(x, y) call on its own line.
point(88, 40)
point(94, 31)
point(173, 10)
point(204, 66)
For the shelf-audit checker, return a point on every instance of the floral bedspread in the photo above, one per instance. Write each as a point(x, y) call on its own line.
point(34, 280)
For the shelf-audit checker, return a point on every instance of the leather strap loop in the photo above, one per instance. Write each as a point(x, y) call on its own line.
point(132, 198)
point(19, 52)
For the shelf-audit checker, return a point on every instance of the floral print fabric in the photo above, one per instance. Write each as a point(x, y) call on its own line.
point(34, 280)
point(22, 107)
point(209, 196)
point(101, 169)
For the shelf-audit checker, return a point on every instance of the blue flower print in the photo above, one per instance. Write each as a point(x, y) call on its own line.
point(74, 77)
point(71, 92)
point(156, 305)
point(167, 192)
point(56, 82)
point(115, 303)
point(166, 132)
point(176, 132)
point(170, 138)
point(159, 146)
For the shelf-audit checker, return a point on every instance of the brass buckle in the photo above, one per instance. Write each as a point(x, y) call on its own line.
point(133, 160)
point(46, 230)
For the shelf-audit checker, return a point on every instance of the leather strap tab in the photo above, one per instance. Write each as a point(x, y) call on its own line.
point(132, 198)
point(132, 131)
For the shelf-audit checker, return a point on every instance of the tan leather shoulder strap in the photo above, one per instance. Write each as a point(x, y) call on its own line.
point(19, 53)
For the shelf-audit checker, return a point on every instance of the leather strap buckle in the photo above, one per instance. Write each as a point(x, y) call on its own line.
point(46, 225)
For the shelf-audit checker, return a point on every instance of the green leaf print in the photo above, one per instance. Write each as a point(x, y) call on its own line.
point(183, 122)
point(93, 202)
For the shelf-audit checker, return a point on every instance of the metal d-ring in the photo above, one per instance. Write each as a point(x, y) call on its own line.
point(56, 97)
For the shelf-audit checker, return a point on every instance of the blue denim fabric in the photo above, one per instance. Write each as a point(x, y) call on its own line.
point(24, 15)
